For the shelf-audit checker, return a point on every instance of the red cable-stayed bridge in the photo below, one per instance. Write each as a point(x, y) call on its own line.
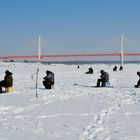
point(67, 56)
point(130, 46)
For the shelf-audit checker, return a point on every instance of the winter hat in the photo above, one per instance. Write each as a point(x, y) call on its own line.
point(102, 71)
point(138, 73)
point(8, 72)
point(47, 72)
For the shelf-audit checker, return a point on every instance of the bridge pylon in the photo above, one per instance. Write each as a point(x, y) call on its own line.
point(39, 49)
point(122, 54)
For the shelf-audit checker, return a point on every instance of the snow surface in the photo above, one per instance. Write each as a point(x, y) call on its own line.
point(70, 112)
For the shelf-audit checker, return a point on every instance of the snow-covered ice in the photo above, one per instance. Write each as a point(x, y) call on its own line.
point(70, 112)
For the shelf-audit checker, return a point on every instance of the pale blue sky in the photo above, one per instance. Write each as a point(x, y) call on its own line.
point(73, 25)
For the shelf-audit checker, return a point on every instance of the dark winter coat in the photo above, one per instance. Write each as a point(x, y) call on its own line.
point(49, 78)
point(8, 80)
point(121, 68)
point(115, 68)
point(104, 76)
point(90, 71)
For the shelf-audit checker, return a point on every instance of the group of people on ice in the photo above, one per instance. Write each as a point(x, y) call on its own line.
point(49, 79)
point(120, 69)
point(104, 79)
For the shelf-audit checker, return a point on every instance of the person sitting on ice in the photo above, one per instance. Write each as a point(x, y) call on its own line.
point(8, 80)
point(138, 83)
point(121, 68)
point(115, 68)
point(90, 71)
point(104, 78)
point(48, 80)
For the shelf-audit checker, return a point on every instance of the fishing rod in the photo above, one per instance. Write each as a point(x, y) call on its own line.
point(37, 82)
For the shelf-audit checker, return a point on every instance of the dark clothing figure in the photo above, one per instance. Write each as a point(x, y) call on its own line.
point(48, 80)
point(78, 67)
point(115, 68)
point(138, 83)
point(103, 79)
point(90, 71)
point(7, 82)
point(121, 68)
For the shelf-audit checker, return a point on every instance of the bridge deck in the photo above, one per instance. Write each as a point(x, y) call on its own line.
point(66, 56)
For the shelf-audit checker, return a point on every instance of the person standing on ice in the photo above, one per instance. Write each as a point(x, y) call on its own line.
point(138, 83)
point(48, 80)
point(8, 80)
point(103, 79)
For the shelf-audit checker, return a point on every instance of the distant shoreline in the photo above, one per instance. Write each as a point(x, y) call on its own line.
point(93, 62)
point(79, 62)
